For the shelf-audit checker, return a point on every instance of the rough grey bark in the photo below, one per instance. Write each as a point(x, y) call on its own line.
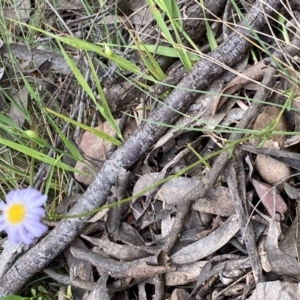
point(228, 53)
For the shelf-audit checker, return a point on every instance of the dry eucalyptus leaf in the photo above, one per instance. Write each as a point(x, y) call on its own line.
point(267, 197)
point(141, 13)
point(221, 263)
point(209, 244)
point(90, 171)
point(289, 243)
point(66, 203)
point(276, 290)
point(292, 159)
point(100, 291)
point(94, 147)
point(2, 72)
point(292, 192)
point(280, 262)
point(99, 215)
point(217, 202)
point(291, 141)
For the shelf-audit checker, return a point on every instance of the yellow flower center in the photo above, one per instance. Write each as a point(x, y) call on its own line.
point(16, 213)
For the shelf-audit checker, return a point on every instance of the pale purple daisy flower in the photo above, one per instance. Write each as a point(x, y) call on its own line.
point(21, 215)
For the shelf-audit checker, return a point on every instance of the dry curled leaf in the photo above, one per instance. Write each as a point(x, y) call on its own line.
point(268, 198)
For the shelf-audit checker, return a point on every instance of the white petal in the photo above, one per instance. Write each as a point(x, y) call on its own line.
point(13, 234)
point(3, 226)
point(38, 212)
point(39, 201)
point(35, 228)
point(12, 197)
point(2, 206)
point(25, 237)
point(33, 197)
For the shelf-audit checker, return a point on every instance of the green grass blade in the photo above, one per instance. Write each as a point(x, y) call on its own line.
point(94, 131)
point(74, 151)
point(38, 155)
point(105, 108)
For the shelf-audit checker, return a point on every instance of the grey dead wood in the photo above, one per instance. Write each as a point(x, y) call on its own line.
point(228, 53)
point(139, 268)
point(121, 252)
point(159, 284)
point(62, 279)
point(182, 214)
point(176, 73)
point(115, 286)
point(234, 180)
point(67, 280)
point(78, 269)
